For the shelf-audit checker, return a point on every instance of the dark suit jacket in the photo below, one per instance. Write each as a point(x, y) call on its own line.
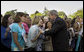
point(59, 35)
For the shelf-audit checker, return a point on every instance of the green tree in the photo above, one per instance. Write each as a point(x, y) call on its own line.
point(45, 13)
point(32, 16)
point(12, 12)
point(61, 14)
point(78, 13)
point(36, 14)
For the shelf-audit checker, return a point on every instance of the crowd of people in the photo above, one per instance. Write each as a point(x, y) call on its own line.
point(42, 33)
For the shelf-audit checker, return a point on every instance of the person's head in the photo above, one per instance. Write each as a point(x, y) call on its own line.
point(6, 20)
point(77, 18)
point(26, 16)
point(81, 22)
point(68, 23)
point(1, 18)
point(65, 17)
point(21, 15)
point(37, 20)
point(10, 19)
point(27, 19)
point(81, 19)
point(46, 19)
point(53, 14)
point(48, 25)
point(76, 26)
point(41, 22)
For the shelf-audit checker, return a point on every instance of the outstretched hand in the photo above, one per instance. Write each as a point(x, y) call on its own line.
point(41, 31)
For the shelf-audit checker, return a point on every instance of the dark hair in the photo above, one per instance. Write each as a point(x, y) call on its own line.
point(77, 17)
point(72, 22)
point(5, 20)
point(42, 18)
point(17, 17)
point(25, 15)
point(46, 24)
point(1, 16)
point(19, 14)
point(68, 22)
point(65, 17)
point(54, 12)
point(17, 20)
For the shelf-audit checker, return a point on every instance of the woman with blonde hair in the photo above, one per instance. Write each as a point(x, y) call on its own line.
point(33, 34)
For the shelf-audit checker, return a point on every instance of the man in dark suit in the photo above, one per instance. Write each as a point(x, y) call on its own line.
point(58, 32)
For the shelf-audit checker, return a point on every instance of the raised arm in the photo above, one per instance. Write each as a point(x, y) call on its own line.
point(56, 27)
point(6, 33)
point(36, 37)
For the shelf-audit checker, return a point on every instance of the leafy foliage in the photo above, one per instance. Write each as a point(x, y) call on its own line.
point(12, 12)
point(45, 13)
point(36, 14)
point(61, 14)
point(78, 13)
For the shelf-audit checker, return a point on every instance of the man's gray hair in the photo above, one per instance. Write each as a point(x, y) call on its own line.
point(54, 12)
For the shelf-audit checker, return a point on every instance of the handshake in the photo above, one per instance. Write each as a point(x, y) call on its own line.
point(41, 31)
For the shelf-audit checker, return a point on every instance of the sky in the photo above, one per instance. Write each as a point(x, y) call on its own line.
point(69, 7)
